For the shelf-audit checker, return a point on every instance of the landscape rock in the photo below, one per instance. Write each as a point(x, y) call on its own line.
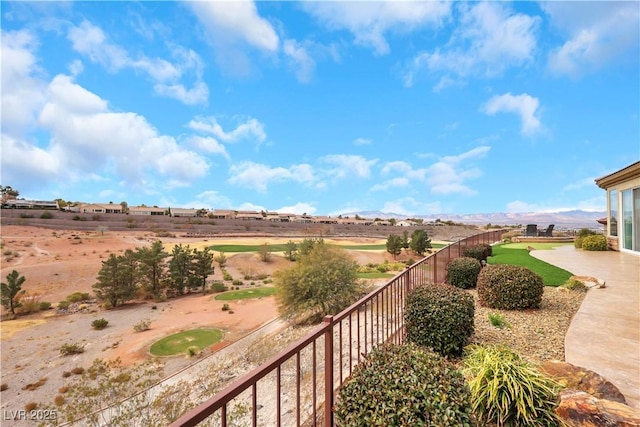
point(578, 408)
point(578, 378)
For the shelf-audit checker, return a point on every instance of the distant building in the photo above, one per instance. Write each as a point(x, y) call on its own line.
point(30, 204)
point(623, 208)
point(183, 212)
point(249, 215)
point(101, 208)
point(145, 210)
point(222, 214)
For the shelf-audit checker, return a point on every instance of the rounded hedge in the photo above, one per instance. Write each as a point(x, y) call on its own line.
point(439, 316)
point(509, 287)
point(463, 272)
point(479, 252)
point(596, 242)
point(403, 386)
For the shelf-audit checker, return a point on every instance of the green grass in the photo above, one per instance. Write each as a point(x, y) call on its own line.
point(537, 246)
point(551, 275)
point(245, 293)
point(180, 342)
point(375, 275)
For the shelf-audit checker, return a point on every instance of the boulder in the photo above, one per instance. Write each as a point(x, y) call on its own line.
point(580, 409)
point(578, 378)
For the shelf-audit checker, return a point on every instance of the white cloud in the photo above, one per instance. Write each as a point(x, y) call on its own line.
point(213, 199)
point(209, 145)
point(250, 129)
point(87, 138)
point(348, 165)
point(300, 60)
point(524, 105)
point(448, 176)
point(22, 93)
point(582, 183)
point(392, 183)
point(92, 42)
point(489, 38)
point(231, 26)
point(258, 176)
point(362, 141)
point(599, 32)
point(370, 21)
point(298, 209)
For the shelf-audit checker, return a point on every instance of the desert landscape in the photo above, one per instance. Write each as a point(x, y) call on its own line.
point(58, 262)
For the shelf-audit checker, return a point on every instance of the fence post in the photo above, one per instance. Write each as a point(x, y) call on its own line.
point(328, 372)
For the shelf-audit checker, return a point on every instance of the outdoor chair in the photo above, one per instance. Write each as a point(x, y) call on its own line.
point(546, 233)
point(531, 231)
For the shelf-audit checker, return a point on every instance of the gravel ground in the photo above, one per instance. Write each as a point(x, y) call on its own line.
point(537, 335)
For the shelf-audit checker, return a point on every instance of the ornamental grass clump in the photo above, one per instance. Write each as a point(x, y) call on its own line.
point(439, 316)
point(507, 390)
point(463, 272)
point(403, 386)
point(509, 287)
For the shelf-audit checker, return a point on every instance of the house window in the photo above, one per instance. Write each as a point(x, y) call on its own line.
point(613, 213)
point(630, 227)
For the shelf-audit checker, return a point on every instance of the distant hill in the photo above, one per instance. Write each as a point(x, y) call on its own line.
point(564, 219)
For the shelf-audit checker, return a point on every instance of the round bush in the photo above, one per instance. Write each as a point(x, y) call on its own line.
point(381, 393)
point(99, 324)
point(509, 287)
point(478, 252)
point(463, 272)
point(594, 243)
point(439, 316)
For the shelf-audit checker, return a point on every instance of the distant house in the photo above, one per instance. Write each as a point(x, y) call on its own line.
point(325, 220)
point(249, 215)
point(183, 212)
point(101, 208)
point(623, 212)
point(30, 204)
point(304, 219)
point(145, 210)
point(405, 223)
point(222, 214)
point(382, 222)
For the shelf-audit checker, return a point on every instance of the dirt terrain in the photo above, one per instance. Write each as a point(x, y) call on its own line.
point(58, 262)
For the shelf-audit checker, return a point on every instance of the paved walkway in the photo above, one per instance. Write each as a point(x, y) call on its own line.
point(604, 336)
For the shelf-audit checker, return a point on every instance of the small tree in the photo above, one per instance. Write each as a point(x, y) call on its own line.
point(116, 281)
point(420, 242)
point(221, 259)
point(180, 268)
point(202, 268)
point(11, 290)
point(264, 253)
point(394, 245)
point(405, 240)
point(290, 250)
point(322, 282)
point(152, 266)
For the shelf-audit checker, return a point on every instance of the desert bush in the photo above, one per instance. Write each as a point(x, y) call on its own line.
point(509, 235)
point(71, 348)
point(508, 391)
point(381, 393)
point(237, 282)
point(46, 215)
point(78, 296)
point(45, 305)
point(30, 406)
point(66, 374)
point(225, 307)
point(142, 325)
point(439, 316)
point(4, 386)
point(479, 252)
point(509, 287)
point(226, 275)
point(79, 218)
point(26, 215)
point(78, 370)
point(463, 272)
point(193, 351)
point(58, 400)
point(582, 233)
point(575, 285)
point(36, 385)
point(497, 320)
point(218, 287)
point(597, 242)
point(63, 305)
point(99, 324)
point(63, 389)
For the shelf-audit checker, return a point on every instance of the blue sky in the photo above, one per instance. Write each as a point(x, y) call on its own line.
point(325, 108)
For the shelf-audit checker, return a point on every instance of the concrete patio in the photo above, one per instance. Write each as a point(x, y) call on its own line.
point(604, 336)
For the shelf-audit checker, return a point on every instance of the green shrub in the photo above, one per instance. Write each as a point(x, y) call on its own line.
point(26, 215)
point(508, 391)
point(78, 296)
point(99, 324)
point(226, 275)
point(594, 243)
point(463, 272)
point(497, 320)
point(73, 348)
point(584, 232)
point(45, 305)
point(237, 282)
point(578, 242)
point(403, 386)
point(509, 287)
point(218, 287)
point(575, 285)
point(479, 252)
point(439, 316)
point(63, 305)
point(46, 215)
point(225, 307)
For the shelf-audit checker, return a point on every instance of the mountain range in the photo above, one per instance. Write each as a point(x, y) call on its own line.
point(564, 219)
